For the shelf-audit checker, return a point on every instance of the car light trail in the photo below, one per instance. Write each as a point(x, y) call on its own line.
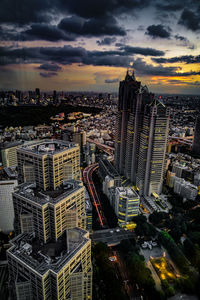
point(87, 178)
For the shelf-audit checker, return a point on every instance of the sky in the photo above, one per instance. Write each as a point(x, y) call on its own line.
point(87, 45)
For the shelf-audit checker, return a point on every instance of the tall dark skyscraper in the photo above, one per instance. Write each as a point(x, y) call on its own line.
point(37, 93)
point(128, 93)
point(141, 136)
point(153, 143)
point(196, 142)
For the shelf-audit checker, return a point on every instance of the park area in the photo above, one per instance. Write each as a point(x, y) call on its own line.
point(165, 269)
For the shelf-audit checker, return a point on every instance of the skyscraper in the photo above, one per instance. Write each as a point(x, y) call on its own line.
point(128, 93)
point(51, 256)
point(153, 143)
point(196, 141)
point(139, 120)
point(49, 214)
point(48, 163)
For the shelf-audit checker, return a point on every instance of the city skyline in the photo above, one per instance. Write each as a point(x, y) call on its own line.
point(87, 47)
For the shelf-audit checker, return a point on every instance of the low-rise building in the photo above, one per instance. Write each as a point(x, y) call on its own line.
point(126, 204)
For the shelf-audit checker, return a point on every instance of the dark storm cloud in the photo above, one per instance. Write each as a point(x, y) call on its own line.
point(170, 6)
point(190, 19)
point(99, 8)
point(68, 29)
point(106, 41)
point(25, 12)
point(158, 31)
point(62, 55)
point(45, 32)
point(48, 74)
point(143, 68)
point(129, 50)
point(188, 59)
point(176, 5)
point(106, 25)
point(48, 33)
point(114, 80)
point(37, 11)
point(68, 55)
point(50, 67)
point(107, 60)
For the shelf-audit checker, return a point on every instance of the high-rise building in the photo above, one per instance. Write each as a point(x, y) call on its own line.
point(126, 205)
point(153, 144)
point(128, 94)
point(37, 93)
point(48, 163)
point(49, 213)
point(51, 256)
point(141, 136)
point(73, 134)
point(196, 141)
point(59, 270)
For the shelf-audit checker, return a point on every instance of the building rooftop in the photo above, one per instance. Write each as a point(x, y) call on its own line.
point(127, 192)
point(49, 147)
point(51, 256)
point(31, 192)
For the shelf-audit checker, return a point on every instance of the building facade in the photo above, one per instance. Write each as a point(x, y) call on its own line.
point(49, 214)
point(153, 144)
point(48, 163)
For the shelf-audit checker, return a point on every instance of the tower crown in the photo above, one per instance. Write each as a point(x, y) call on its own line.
point(130, 75)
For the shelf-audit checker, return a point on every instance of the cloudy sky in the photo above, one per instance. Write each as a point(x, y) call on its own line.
point(84, 45)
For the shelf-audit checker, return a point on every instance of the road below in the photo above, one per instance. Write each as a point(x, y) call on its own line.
point(87, 178)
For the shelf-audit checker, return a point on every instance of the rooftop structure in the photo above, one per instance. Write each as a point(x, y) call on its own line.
point(51, 256)
point(60, 270)
point(48, 147)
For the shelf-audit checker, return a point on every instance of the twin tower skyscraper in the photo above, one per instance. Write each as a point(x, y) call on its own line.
point(141, 135)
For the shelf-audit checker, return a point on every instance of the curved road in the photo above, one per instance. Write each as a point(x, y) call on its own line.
point(87, 178)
